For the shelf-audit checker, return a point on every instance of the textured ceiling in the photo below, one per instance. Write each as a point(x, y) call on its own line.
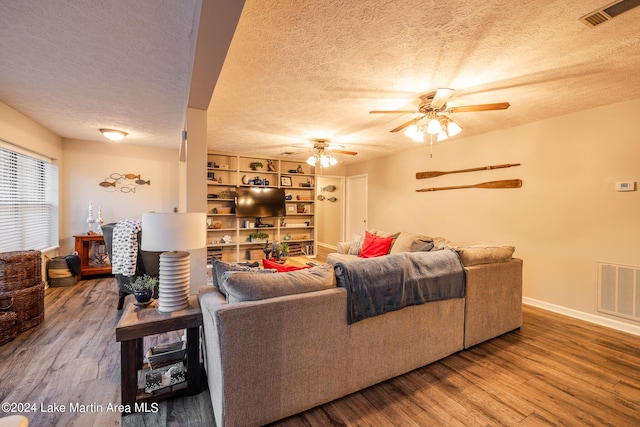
point(299, 70)
point(76, 66)
point(314, 69)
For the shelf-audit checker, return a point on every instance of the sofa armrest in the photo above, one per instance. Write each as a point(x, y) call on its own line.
point(493, 300)
point(343, 247)
point(263, 353)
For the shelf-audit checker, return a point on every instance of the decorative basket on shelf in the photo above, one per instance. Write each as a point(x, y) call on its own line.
point(166, 354)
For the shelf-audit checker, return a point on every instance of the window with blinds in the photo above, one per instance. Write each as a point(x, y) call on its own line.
point(28, 202)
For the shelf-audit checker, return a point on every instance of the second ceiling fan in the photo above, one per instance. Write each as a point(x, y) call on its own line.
point(434, 121)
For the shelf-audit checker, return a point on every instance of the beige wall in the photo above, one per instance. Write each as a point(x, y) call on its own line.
point(20, 130)
point(88, 163)
point(566, 216)
point(329, 216)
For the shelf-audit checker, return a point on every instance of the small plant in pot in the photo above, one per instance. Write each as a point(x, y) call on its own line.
point(258, 236)
point(256, 165)
point(282, 250)
point(143, 288)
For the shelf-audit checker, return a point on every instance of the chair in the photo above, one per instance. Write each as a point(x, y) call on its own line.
point(147, 263)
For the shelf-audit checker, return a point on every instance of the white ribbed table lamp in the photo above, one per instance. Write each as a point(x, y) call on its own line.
point(173, 234)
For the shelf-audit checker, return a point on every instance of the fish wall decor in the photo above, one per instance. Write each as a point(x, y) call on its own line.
point(124, 182)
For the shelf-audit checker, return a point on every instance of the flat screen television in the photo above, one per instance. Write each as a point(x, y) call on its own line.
point(260, 202)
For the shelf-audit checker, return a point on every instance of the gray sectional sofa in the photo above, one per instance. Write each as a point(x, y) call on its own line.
point(278, 344)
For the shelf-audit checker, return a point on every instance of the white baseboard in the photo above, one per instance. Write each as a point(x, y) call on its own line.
point(592, 318)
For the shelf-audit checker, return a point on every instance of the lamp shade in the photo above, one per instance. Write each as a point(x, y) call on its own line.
point(173, 231)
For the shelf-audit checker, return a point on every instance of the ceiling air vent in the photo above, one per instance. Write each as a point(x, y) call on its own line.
point(608, 12)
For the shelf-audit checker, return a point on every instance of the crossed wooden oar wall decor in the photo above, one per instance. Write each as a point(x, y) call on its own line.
point(505, 183)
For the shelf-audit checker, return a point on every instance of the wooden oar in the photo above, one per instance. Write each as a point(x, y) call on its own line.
point(506, 183)
point(433, 174)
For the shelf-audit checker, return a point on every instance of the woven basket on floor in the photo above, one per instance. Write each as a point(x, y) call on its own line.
point(59, 273)
point(8, 327)
point(20, 269)
point(28, 304)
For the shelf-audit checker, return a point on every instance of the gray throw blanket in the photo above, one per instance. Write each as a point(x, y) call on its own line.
point(391, 282)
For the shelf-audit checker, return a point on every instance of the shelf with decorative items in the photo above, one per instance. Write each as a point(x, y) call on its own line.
point(229, 238)
point(222, 169)
point(258, 172)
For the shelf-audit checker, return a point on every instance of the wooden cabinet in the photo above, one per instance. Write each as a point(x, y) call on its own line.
point(93, 255)
point(228, 237)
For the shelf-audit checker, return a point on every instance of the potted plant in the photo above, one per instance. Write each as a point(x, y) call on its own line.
point(256, 165)
point(300, 207)
point(282, 250)
point(258, 237)
point(143, 288)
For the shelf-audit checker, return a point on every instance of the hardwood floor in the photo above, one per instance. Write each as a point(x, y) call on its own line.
point(554, 371)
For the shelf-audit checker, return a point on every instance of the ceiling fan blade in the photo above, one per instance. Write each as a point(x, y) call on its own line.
point(441, 97)
point(351, 153)
point(393, 112)
point(409, 123)
point(481, 107)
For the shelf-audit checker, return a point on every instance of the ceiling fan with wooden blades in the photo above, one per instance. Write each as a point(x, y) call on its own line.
point(433, 107)
point(323, 153)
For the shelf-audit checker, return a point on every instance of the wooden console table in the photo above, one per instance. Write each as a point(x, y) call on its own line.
point(84, 243)
point(137, 323)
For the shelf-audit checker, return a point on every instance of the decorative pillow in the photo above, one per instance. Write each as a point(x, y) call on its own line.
point(375, 246)
point(251, 286)
point(266, 263)
point(480, 254)
point(356, 244)
point(404, 241)
point(218, 268)
point(421, 245)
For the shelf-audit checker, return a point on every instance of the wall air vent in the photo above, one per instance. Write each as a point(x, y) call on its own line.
point(608, 12)
point(619, 290)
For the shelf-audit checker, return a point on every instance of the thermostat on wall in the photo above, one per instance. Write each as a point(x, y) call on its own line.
point(626, 186)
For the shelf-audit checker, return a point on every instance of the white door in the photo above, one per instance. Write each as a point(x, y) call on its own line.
point(356, 205)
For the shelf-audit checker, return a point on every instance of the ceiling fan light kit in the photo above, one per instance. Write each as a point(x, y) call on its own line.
point(434, 121)
point(322, 157)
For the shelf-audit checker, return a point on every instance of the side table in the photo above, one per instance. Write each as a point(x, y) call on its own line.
point(139, 322)
point(84, 244)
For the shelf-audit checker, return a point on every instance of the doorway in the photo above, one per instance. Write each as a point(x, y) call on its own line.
point(356, 205)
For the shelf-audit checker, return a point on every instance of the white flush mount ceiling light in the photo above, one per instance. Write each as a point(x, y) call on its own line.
point(113, 134)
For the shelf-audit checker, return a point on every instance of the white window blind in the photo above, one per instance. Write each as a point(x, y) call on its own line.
point(28, 202)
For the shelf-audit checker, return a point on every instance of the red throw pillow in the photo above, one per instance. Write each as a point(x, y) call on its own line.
point(280, 267)
point(374, 246)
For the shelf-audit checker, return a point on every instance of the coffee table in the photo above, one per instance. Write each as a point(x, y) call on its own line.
point(139, 322)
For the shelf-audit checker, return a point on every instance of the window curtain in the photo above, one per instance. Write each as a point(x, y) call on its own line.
point(28, 202)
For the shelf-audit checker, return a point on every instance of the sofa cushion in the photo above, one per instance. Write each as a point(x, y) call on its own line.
point(484, 254)
point(253, 286)
point(335, 257)
point(375, 246)
point(218, 268)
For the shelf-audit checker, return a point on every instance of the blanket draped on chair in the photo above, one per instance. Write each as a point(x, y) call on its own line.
point(125, 247)
point(391, 282)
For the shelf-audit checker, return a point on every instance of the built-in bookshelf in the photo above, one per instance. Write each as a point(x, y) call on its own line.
point(229, 237)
